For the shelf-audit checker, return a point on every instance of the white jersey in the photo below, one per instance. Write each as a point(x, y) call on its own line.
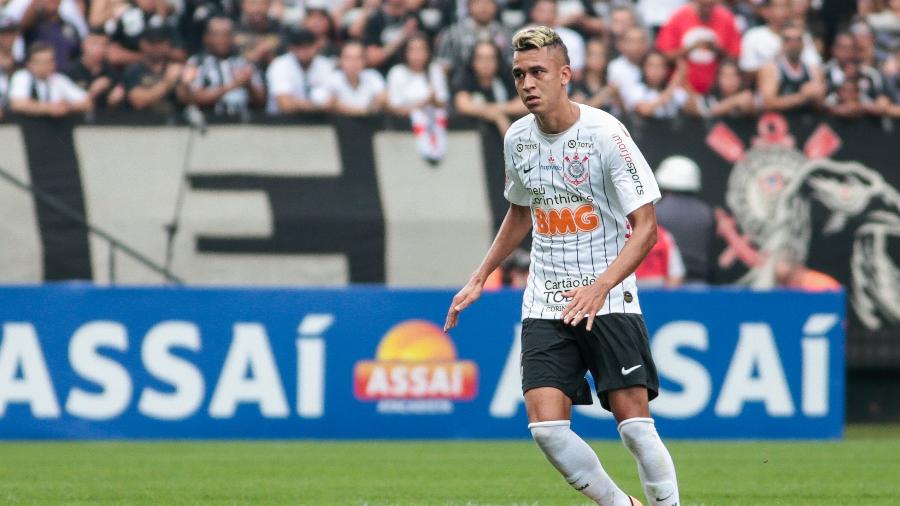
point(580, 184)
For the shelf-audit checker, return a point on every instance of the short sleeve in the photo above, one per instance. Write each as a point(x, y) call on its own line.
point(514, 190)
point(630, 174)
point(19, 86)
point(280, 80)
point(749, 60)
point(70, 91)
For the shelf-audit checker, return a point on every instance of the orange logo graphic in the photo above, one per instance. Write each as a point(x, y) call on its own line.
point(566, 221)
point(415, 361)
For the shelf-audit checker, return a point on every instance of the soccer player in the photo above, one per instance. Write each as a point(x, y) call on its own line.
point(577, 178)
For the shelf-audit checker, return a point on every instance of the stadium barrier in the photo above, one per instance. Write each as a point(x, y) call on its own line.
point(82, 362)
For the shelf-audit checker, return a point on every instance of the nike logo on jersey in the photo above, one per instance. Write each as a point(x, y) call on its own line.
point(526, 171)
point(626, 372)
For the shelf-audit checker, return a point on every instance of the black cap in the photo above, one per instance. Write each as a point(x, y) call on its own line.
point(157, 34)
point(8, 24)
point(300, 37)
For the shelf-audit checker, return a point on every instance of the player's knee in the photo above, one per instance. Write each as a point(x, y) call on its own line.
point(637, 433)
point(549, 435)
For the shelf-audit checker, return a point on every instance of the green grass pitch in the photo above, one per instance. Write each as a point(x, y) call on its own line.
point(862, 470)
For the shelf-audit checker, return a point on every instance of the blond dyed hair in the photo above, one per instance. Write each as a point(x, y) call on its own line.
point(536, 37)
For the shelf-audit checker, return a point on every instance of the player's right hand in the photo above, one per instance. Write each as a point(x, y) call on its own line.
point(469, 294)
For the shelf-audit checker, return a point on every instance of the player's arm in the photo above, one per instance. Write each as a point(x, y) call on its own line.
point(513, 230)
point(587, 301)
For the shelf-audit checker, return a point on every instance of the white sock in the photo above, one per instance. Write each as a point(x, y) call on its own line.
point(654, 462)
point(577, 462)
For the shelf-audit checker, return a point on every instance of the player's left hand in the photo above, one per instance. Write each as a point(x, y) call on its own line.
point(586, 302)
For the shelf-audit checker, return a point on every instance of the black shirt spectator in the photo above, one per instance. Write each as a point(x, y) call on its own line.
point(125, 31)
point(93, 73)
point(484, 93)
point(386, 31)
point(257, 35)
point(155, 83)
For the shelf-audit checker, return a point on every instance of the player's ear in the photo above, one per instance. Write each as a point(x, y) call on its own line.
point(566, 73)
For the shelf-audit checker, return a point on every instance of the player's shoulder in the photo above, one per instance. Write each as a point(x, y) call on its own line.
point(520, 128)
point(601, 123)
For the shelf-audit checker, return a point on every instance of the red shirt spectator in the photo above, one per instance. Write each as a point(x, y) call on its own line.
point(663, 265)
point(704, 32)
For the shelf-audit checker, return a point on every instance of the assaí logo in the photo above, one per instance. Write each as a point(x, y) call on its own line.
point(415, 371)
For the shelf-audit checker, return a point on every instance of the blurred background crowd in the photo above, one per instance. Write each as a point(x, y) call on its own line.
point(433, 59)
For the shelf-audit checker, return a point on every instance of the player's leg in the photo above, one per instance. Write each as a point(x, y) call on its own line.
point(552, 376)
point(628, 381)
point(630, 407)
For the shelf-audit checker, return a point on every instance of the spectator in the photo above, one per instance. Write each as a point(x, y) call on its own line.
point(703, 33)
point(581, 16)
point(353, 90)
point(869, 81)
point(788, 83)
point(886, 25)
point(762, 44)
point(485, 95)
point(418, 90)
point(857, 94)
point(39, 90)
point(225, 83)
point(59, 23)
point(867, 52)
point(593, 89)
point(544, 12)
point(655, 13)
point(386, 31)
point(155, 83)
point(93, 73)
point(9, 33)
point(728, 97)
point(456, 43)
point(625, 70)
point(685, 215)
point(126, 31)
point(434, 15)
point(256, 34)
point(653, 96)
point(320, 24)
point(663, 266)
point(621, 19)
point(292, 76)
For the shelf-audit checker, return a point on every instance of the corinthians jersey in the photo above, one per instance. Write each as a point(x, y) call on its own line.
point(580, 185)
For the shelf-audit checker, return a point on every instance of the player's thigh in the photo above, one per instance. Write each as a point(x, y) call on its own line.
point(544, 404)
point(552, 366)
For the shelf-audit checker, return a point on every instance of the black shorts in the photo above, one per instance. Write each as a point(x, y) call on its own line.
point(616, 351)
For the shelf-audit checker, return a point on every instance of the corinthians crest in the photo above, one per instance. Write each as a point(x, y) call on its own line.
point(576, 169)
point(772, 191)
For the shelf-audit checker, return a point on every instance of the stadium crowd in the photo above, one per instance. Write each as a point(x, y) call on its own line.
point(430, 59)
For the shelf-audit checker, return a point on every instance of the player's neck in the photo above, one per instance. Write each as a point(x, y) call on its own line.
point(559, 119)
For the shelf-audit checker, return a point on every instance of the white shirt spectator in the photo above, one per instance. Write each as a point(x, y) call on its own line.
point(657, 12)
point(285, 76)
point(623, 74)
point(58, 88)
point(574, 45)
point(760, 45)
point(407, 88)
point(370, 85)
point(640, 92)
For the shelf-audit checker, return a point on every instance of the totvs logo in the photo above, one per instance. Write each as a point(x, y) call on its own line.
point(416, 361)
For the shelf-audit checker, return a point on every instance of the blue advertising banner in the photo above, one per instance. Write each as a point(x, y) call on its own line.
point(79, 361)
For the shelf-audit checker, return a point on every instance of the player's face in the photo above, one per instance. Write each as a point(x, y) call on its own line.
point(541, 78)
